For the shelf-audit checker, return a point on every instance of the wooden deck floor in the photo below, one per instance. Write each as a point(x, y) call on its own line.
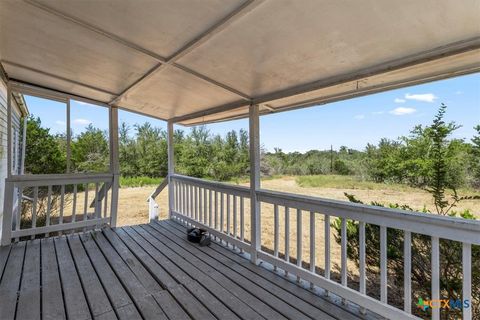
point(150, 272)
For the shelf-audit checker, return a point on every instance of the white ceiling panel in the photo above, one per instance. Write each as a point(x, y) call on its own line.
point(285, 43)
point(36, 39)
point(162, 27)
point(172, 92)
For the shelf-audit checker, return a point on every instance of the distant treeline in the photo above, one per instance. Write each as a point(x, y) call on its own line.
point(199, 153)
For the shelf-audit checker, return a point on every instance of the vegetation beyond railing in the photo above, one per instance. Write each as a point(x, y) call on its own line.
point(45, 204)
point(224, 210)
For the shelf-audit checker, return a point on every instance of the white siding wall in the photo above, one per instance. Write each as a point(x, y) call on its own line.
point(3, 141)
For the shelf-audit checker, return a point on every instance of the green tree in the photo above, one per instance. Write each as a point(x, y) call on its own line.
point(197, 155)
point(475, 157)
point(127, 152)
point(90, 151)
point(43, 153)
point(151, 151)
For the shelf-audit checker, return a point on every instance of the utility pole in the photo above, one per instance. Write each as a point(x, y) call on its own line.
point(331, 158)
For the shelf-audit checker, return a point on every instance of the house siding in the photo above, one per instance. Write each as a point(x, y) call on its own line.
point(16, 116)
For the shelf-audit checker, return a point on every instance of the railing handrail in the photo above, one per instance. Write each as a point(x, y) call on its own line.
point(457, 229)
point(58, 179)
point(219, 186)
point(18, 183)
point(101, 194)
point(53, 177)
point(159, 189)
point(451, 228)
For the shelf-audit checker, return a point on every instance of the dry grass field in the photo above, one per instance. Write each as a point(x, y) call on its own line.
point(133, 209)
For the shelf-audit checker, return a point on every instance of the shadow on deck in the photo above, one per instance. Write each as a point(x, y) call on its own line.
point(150, 272)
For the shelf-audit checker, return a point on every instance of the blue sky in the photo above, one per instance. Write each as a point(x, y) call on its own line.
point(353, 122)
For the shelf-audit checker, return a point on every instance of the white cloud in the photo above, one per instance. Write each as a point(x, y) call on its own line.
point(402, 111)
point(398, 100)
point(82, 122)
point(359, 116)
point(378, 112)
point(60, 123)
point(424, 97)
point(458, 92)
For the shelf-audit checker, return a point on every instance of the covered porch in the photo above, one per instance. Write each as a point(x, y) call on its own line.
point(200, 62)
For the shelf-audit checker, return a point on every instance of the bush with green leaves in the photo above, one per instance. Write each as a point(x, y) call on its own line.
point(438, 181)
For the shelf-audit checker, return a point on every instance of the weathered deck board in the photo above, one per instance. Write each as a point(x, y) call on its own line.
point(202, 300)
point(236, 305)
point(29, 299)
point(146, 272)
point(53, 306)
point(140, 296)
point(160, 275)
point(215, 306)
point(100, 306)
point(75, 301)
point(258, 305)
point(171, 308)
point(117, 295)
point(11, 281)
point(145, 278)
point(154, 262)
point(260, 275)
point(262, 287)
point(4, 252)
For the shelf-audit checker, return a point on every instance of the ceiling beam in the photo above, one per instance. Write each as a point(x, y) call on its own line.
point(162, 61)
point(3, 73)
point(27, 88)
point(410, 61)
point(406, 62)
point(53, 94)
point(47, 74)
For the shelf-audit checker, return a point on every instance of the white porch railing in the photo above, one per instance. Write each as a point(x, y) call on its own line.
point(220, 208)
point(44, 204)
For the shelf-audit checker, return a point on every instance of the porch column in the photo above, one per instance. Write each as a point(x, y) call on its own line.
point(171, 167)
point(114, 163)
point(254, 132)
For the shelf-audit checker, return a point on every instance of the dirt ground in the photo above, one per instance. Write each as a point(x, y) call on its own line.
point(133, 207)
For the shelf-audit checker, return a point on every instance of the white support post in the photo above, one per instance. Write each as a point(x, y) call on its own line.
point(152, 209)
point(9, 133)
point(6, 222)
point(435, 276)
point(24, 144)
point(69, 137)
point(170, 168)
point(114, 164)
point(254, 126)
point(6, 218)
point(467, 279)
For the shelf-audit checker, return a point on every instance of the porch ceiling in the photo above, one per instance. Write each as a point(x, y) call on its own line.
point(200, 61)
